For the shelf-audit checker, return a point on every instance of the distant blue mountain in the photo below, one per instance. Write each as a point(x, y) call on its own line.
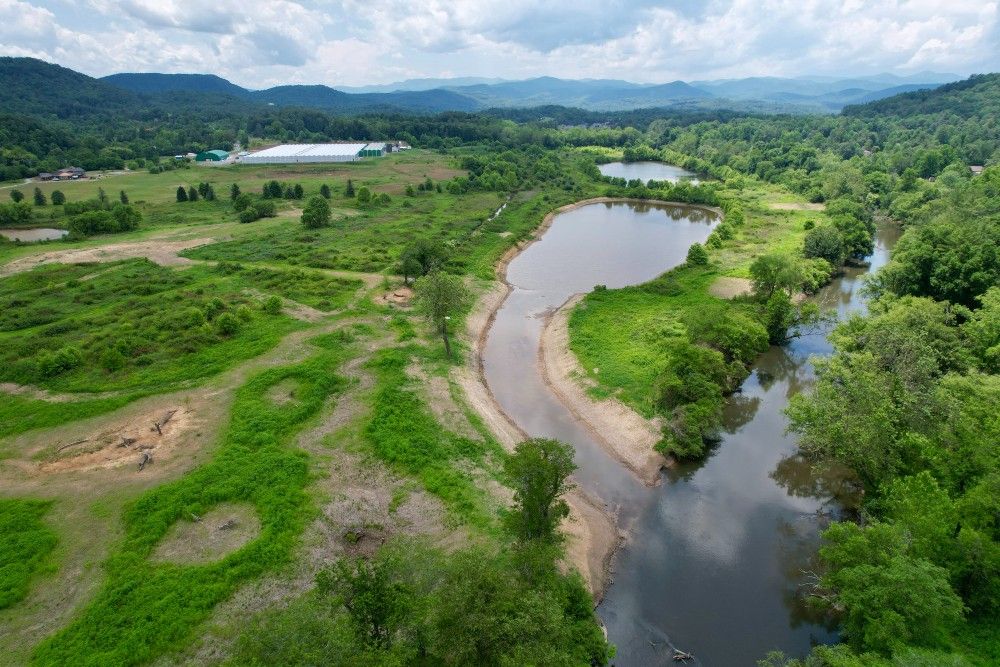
point(805, 94)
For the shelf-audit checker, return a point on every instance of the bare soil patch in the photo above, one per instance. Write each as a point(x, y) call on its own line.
point(798, 206)
point(283, 393)
point(40, 394)
point(400, 297)
point(219, 532)
point(726, 287)
point(138, 440)
point(158, 251)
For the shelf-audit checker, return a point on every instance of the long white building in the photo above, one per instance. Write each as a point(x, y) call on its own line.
point(303, 153)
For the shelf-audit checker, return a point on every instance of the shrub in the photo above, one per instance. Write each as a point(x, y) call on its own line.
point(242, 202)
point(17, 213)
point(316, 213)
point(112, 360)
point(697, 255)
point(58, 198)
point(227, 324)
point(272, 306)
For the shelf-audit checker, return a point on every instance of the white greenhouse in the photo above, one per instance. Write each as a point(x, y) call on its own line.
point(303, 153)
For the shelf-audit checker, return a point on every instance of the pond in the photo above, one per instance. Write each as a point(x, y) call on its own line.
point(31, 235)
point(714, 561)
point(648, 171)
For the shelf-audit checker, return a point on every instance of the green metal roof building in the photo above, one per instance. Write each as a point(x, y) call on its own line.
point(211, 156)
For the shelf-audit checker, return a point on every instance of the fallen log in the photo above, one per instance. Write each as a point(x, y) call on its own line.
point(126, 442)
point(144, 459)
point(228, 525)
point(682, 656)
point(78, 442)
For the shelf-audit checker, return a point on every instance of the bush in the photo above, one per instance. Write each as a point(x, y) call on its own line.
point(316, 213)
point(227, 324)
point(58, 198)
point(17, 213)
point(242, 202)
point(697, 255)
point(120, 218)
point(249, 215)
point(272, 306)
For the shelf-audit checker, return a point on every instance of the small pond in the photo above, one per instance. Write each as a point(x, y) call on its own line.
point(31, 235)
point(648, 171)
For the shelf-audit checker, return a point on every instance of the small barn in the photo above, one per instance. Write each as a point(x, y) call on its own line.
point(212, 156)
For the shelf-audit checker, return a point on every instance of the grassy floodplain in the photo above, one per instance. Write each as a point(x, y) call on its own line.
point(244, 331)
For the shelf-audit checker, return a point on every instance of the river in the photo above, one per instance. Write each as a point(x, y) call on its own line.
point(714, 556)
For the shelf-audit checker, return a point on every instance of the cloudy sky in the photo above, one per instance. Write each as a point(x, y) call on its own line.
point(257, 43)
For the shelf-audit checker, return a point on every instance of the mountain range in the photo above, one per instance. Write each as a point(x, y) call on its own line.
point(34, 87)
point(801, 95)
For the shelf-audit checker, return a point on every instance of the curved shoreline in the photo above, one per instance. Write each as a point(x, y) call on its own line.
point(592, 547)
point(628, 436)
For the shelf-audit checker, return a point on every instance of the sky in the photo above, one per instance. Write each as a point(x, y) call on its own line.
point(260, 43)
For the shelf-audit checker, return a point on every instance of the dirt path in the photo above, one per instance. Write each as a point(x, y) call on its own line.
point(797, 206)
point(160, 252)
point(623, 432)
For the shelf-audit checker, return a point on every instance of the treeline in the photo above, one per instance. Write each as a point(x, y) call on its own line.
point(908, 402)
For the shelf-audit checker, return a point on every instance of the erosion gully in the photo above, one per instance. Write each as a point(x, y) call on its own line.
point(715, 556)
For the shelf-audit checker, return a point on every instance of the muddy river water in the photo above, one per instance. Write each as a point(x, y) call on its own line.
point(714, 555)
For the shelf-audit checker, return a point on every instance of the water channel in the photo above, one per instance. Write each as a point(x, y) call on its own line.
point(715, 554)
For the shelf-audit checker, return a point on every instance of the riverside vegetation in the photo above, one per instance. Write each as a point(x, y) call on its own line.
point(275, 330)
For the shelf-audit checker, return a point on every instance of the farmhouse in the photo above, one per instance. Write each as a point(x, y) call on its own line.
point(212, 156)
point(304, 153)
point(69, 173)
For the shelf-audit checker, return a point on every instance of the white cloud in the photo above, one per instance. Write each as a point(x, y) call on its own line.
point(352, 42)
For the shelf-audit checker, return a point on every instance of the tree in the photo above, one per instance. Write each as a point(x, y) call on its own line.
point(420, 258)
point(58, 198)
point(234, 192)
point(17, 196)
point(122, 197)
point(324, 191)
point(242, 202)
point(697, 255)
point(316, 213)
point(182, 194)
point(539, 471)
point(349, 190)
point(364, 195)
point(39, 197)
point(409, 191)
point(825, 242)
point(297, 191)
point(773, 272)
point(376, 604)
point(890, 597)
point(102, 196)
point(438, 297)
point(192, 194)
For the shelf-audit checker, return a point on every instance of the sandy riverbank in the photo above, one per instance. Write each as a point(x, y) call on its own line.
point(593, 536)
point(625, 434)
